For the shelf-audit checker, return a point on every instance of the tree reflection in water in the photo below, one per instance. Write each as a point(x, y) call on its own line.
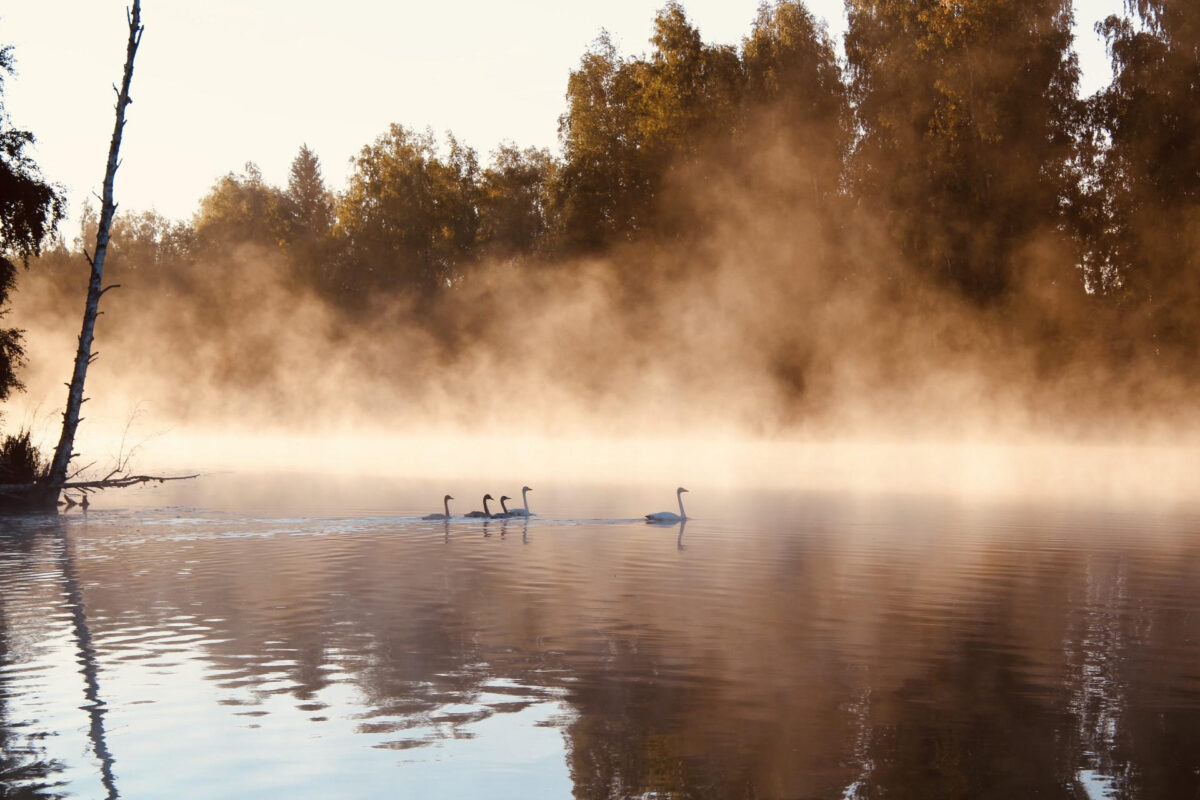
point(900, 659)
point(26, 768)
point(85, 658)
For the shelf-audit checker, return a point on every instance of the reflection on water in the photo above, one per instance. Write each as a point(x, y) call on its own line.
point(778, 646)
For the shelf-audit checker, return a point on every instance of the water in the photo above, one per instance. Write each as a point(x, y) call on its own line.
point(306, 639)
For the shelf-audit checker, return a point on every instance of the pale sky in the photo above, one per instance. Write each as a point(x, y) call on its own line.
point(222, 82)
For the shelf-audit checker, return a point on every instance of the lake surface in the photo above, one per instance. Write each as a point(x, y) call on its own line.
point(299, 639)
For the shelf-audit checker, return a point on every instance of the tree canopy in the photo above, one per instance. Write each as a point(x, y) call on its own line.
point(965, 111)
point(946, 161)
point(1145, 240)
point(30, 209)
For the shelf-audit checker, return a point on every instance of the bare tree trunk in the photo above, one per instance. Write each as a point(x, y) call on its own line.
point(83, 356)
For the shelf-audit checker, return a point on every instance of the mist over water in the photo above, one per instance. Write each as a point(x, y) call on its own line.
point(940, 451)
point(759, 340)
point(759, 364)
point(758, 327)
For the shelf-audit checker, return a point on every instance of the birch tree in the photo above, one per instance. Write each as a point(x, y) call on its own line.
point(57, 476)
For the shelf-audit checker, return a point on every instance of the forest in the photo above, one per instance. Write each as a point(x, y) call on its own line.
point(934, 231)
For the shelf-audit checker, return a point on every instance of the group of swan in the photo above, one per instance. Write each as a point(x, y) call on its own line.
point(661, 516)
point(486, 513)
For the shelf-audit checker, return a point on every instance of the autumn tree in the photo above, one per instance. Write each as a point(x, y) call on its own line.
point(688, 92)
point(240, 209)
point(408, 220)
point(689, 107)
point(603, 191)
point(147, 242)
point(631, 123)
point(794, 90)
point(514, 208)
point(964, 109)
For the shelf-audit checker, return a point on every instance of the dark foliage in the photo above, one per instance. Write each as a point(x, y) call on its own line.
point(20, 460)
point(1144, 248)
point(948, 157)
point(30, 209)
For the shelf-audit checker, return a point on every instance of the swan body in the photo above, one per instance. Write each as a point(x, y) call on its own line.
point(670, 516)
point(485, 513)
point(445, 504)
point(523, 512)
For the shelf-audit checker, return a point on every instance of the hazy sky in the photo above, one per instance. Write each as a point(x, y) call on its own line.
point(223, 82)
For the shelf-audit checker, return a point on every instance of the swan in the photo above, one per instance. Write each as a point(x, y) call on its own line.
point(446, 503)
point(670, 516)
point(506, 513)
point(485, 513)
point(523, 512)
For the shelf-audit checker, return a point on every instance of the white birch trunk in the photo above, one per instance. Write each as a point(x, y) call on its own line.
point(83, 357)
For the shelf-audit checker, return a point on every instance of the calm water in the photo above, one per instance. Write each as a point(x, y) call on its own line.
point(307, 641)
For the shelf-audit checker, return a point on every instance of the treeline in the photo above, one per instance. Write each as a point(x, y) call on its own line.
point(948, 153)
point(419, 213)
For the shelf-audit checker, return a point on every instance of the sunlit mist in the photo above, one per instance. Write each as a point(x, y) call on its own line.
point(751, 321)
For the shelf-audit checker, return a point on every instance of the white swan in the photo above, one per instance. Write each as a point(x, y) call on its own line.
point(485, 513)
point(523, 512)
point(670, 516)
point(446, 503)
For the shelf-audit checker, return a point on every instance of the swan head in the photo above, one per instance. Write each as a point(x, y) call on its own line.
point(680, 490)
point(504, 497)
point(525, 489)
point(447, 497)
point(488, 497)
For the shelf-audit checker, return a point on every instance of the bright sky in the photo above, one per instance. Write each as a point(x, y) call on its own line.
point(223, 82)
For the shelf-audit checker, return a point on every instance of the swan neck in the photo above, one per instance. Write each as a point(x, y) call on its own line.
point(446, 505)
point(679, 497)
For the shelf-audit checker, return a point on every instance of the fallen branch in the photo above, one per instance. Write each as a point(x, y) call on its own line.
point(123, 481)
point(103, 483)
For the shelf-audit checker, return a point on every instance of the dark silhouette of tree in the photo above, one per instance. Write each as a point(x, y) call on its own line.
point(307, 203)
point(307, 210)
point(30, 209)
point(1147, 187)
